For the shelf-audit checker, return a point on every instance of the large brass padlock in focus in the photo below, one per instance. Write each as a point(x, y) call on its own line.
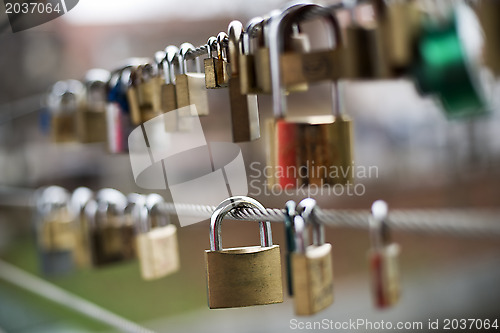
point(111, 238)
point(312, 270)
point(312, 149)
point(91, 123)
point(244, 108)
point(383, 260)
point(190, 86)
point(243, 276)
point(157, 247)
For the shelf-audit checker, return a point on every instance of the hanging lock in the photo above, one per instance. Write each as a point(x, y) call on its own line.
point(247, 66)
point(383, 259)
point(144, 94)
point(111, 237)
point(362, 58)
point(156, 241)
point(190, 86)
point(308, 150)
point(79, 199)
point(489, 16)
point(244, 108)
point(312, 270)
point(290, 213)
point(91, 121)
point(64, 102)
point(399, 23)
point(54, 226)
point(216, 71)
point(242, 276)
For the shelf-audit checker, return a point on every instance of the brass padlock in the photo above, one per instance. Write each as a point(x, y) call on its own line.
point(64, 102)
point(306, 150)
point(312, 269)
point(91, 122)
point(79, 199)
point(144, 94)
point(190, 86)
point(247, 70)
point(111, 237)
point(244, 108)
point(157, 247)
point(55, 227)
point(489, 16)
point(399, 23)
point(242, 276)
point(383, 259)
point(216, 74)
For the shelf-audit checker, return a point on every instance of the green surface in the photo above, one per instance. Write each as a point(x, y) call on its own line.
point(118, 288)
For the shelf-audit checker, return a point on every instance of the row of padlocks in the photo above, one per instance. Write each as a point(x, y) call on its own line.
point(272, 55)
point(86, 229)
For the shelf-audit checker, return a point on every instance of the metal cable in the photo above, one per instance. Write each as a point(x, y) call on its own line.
point(456, 222)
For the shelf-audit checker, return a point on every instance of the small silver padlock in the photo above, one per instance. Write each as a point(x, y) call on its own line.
point(242, 276)
point(312, 269)
point(383, 259)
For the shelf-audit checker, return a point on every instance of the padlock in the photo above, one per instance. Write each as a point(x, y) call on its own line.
point(64, 102)
point(118, 122)
point(296, 46)
point(312, 270)
point(91, 121)
point(306, 150)
point(489, 16)
point(383, 259)
point(399, 23)
point(362, 56)
point(190, 86)
point(79, 199)
point(53, 225)
point(290, 213)
point(247, 70)
point(455, 79)
point(111, 238)
point(216, 71)
point(144, 95)
point(242, 276)
point(157, 247)
point(244, 108)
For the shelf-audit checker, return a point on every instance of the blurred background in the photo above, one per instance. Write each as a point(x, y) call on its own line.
point(423, 160)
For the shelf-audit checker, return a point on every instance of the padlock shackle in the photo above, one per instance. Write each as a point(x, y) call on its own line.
point(308, 209)
point(235, 46)
point(253, 24)
point(183, 51)
point(160, 62)
point(301, 234)
point(154, 202)
point(79, 198)
point(278, 26)
point(171, 56)
point(221, 50)
point(378, 226)
point(211, 45)
point(228, 205)
point(108, 201)
point(51, 198)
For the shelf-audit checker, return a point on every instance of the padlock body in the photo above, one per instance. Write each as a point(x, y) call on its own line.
point(63, 127)
point(190, 89)
point(244, 113)
point(92, 125)
point(312, 273)
point(244, 276)
point(112, 243)
point(158, 252)
point(311, 150)
point(56, 232)
point(385, 275)
point(82, 249)
point(247, 70)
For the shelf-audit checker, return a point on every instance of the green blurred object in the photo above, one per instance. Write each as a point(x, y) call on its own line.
point(446, 70)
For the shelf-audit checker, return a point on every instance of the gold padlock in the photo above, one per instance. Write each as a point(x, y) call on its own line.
point(111, 237)
point(146, 104)
point(383, 259)
point(247, 66)
point(64, 102)
point(91, 123)
point(489, 15)
point(399, 23)
point(157, 247)
point(209, 64)
point(312, 271)
point(216, 71)
point(306, 150)
point(190, 86)
point(79, 199)
point(244, 108)
point(242, 276)
point(55, 228)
